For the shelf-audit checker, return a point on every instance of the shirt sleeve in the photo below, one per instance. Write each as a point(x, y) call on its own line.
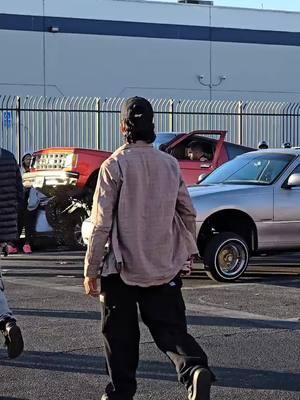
point(104, 204)
point(185, 209)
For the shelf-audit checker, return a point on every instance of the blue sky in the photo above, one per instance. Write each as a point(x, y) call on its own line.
point(291, 5)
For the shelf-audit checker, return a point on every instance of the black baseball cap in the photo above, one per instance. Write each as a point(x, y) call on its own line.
point(137, 109)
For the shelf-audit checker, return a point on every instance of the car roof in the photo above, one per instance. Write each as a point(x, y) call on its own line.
point(293, 152)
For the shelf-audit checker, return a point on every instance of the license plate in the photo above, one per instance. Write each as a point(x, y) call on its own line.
point(39, 182)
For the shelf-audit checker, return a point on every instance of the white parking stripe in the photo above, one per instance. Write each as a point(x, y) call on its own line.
point(44, 284)
point(229, 313)
point(216, 285)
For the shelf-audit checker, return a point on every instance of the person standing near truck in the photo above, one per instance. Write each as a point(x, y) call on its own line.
point(28, 214)
point(142, 206)
point(11, 199)
point(25, 219)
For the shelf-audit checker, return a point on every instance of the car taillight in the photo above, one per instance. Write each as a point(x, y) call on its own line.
point(71, 161)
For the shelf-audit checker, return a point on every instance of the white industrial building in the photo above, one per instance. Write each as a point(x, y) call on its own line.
point(118, 48)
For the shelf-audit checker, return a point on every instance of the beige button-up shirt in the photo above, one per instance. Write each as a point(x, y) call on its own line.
point(141, 205)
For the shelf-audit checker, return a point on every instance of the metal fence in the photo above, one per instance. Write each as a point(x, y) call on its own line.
point(31, 123)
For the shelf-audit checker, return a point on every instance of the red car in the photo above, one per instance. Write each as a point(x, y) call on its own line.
point(216, 150)
point(76, 169)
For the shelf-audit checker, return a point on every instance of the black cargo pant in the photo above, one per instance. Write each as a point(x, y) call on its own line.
point(162, 309)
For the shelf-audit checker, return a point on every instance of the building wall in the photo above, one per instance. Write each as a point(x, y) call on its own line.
point(256, 50)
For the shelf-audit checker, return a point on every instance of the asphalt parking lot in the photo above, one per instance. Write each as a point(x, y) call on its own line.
point(249, 329)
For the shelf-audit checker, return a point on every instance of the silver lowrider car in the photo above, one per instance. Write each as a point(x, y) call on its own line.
point(249, 205)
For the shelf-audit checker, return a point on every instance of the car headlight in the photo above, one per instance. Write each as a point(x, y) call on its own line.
point(71, 161)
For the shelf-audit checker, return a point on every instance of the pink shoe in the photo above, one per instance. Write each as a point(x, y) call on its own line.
point(27, 249)
point(11, 249)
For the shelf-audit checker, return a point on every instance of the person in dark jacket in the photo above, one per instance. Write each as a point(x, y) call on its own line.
point(11, 199)
point(26, 218)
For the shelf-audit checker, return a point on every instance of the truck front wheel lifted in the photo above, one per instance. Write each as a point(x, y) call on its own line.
point(72, 235)
point(226, 257)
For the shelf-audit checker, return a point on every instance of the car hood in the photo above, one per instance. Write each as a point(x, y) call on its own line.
point(201, 190)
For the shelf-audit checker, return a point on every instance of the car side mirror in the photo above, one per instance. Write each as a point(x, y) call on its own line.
point(293, 181)
point(201, 177)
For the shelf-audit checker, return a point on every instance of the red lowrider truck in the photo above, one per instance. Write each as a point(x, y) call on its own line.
point(65, 171)
point(71, 173)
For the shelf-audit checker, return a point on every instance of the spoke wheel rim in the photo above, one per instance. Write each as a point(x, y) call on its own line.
point(231, 258)
point(78, 235)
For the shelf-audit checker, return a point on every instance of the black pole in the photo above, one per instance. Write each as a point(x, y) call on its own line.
point(19, 139)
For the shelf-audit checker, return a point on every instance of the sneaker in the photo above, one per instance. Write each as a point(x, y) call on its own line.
point(11, 249)
point(13, 339)
point(200, 387)
point(27, 249)
point(105, 397)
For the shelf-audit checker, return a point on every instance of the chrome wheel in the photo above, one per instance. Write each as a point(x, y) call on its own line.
point(231, 258)
point(78, 235)
point(226, 257)
point(72, 233)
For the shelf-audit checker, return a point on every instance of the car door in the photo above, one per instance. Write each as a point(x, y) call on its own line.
point(191, 170)
point(287, 214)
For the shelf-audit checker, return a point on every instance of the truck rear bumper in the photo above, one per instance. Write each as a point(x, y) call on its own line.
point(39, 179)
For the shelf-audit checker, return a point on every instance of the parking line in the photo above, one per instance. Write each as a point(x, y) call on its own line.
point(47, 285)
point(230, 313)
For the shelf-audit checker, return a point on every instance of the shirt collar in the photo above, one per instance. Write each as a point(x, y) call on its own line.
point(138, 143)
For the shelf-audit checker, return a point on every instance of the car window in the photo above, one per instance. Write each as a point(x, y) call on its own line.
point(296, 170)
point(263, 169)
point(182, 150)
point(162, 138)
point(233, 150)
point(206, 147)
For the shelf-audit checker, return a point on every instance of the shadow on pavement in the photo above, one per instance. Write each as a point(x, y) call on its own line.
point(95, 365)
point(292, 282)
point(191, 319)
point(11, 398)
point(89, 315)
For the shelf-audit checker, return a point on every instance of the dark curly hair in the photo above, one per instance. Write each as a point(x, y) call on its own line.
point(139, 130)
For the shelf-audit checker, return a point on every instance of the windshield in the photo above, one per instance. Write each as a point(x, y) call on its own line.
point(162, 138)
point(263, 169)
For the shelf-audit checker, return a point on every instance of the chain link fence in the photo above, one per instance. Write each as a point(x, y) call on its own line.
point(31, 123)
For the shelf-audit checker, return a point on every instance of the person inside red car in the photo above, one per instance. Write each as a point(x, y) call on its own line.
point(196, 152)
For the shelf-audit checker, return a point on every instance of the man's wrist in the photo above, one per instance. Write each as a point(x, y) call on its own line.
point(90, 275)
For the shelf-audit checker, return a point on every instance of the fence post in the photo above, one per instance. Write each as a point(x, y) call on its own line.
point(98, 133)
point(171, 115)
point(18, 138)
point(241, 109)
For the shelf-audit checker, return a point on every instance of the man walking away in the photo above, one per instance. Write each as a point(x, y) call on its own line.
point(11, 197)
point(142, 206)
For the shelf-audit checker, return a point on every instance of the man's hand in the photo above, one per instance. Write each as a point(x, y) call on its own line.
point(90, 287)
point(187, 267)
